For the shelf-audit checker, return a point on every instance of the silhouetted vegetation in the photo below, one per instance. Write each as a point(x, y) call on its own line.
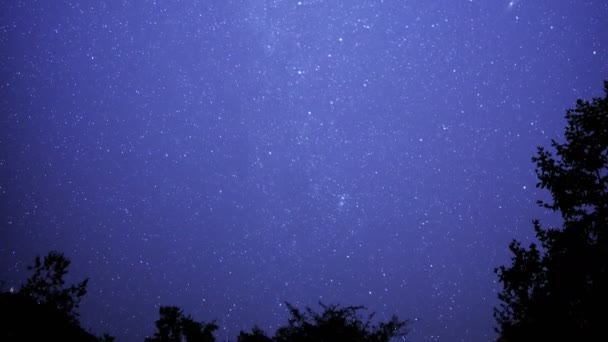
point(174, 326)
point(47, 285)
point(45, 309)
point(256, 335)
point(560, 291)
point(335, 323)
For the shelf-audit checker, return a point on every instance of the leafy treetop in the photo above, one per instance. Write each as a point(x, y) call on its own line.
point(47, 285)
point(558, 291)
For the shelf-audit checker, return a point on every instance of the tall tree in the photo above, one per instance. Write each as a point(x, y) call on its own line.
point(174, 326)
point(559, 291)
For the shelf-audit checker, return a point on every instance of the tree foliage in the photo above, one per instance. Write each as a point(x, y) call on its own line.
point(256, 335)
point(47, 285)
point(559, 291)
point(174, 326)
point(335, 323)
point(44, 308)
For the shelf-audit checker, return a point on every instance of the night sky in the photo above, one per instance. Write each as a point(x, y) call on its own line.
point(226, 156)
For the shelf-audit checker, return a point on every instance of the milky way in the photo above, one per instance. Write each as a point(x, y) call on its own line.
point(228, 156)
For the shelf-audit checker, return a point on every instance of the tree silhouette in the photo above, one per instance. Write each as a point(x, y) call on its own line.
point(256, 335)
point(47, 285)
point(45, 309)
point(174, 326)
point(335, 323)
point(559, 291)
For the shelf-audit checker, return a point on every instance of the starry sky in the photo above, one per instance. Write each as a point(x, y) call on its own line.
point(226, 156)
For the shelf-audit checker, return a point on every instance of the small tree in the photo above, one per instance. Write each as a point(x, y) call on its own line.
point(174, 326)
point(558, 292)
point(335, 323)
point(256, 335)
point(47, 285)
point(44, 308)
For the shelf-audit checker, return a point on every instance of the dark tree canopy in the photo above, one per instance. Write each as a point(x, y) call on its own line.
point(174, 326)
point(45, 309)
point(47, 285)
point(559, 291)
point(335, 323)
point(23, 319)
point(256, 335)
